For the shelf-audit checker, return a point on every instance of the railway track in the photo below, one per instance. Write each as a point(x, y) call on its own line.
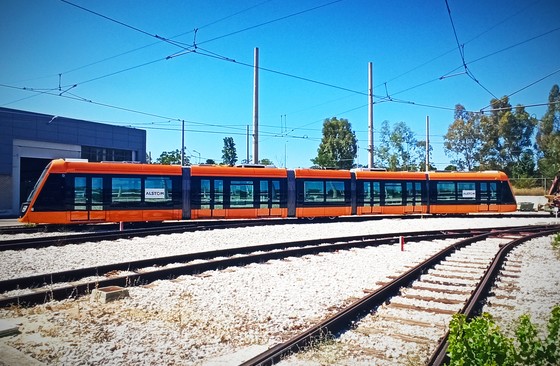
point(414, 308)
point(112, 232)
point(55, 235)
point(235, 307)
point(62, 285)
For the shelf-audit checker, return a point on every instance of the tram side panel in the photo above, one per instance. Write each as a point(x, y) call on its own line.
point(98, 192)
point(323, 193)
point(72, 192)
point(391, 193)
point(235, 192)
point(462, 193)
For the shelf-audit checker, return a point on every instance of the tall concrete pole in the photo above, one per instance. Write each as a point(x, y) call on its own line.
point(427, 143)
point(370, 116)
point(256, 109)
point(248, 145)
point(183, 143)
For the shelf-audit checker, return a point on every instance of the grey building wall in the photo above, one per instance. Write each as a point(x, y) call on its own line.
point(33, 135)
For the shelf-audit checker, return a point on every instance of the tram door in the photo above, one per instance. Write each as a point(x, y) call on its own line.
point(211, 198)
point(87, 199)
point(488, 197)
point(269, 199)
point(413, 197)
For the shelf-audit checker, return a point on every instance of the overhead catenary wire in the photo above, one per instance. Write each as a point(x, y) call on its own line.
point(523, 88)
point(353, 91)
point(265, 69)
point(189, 48)
point(209, 53)
point(465, 43)
point(82, 99)
point(461, 48)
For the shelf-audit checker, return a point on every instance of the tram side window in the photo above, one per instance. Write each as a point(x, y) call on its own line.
point(367, 193)
point(208, 193)
point(218, 194)
point(80, 199)
point(335, 191)
point(446, 191)
point(125, 191)
point(466, 191)
point(97, 193)
point(393, 194)
point(269, 194)
point(413, 193)
point(158, 191)
point(275, 194)
point(371, 194)
point(488, 191)
point(314, 191)
point(242, 193)
point(507, 194)
point(263, 200)
point(204, 194)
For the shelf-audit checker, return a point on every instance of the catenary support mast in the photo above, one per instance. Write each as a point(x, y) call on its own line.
point(370, 116)
point(427, 143)
point(256, 109)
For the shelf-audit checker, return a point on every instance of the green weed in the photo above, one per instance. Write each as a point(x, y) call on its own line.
point(481, 342)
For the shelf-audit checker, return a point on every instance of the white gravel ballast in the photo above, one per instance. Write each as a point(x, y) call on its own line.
point(217, 317)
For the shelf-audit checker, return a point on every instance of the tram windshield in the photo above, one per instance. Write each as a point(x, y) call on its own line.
point(34, 190)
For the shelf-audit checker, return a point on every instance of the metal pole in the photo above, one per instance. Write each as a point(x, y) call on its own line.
point(183, 143)
point(427, 143)
point(256, 109)
point(248, 156)
point(370, 115)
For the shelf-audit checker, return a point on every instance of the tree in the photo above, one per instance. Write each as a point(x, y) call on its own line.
point(171, 158)
point(463, 139)
point(383, 150)
point(399, 149)
point(506, 134)
point(548, 136)
point(421, 156)
point(339, 145)
point(451, 168)
point(523, 173)
point(266, 161)
point(229, 154)
point(210, 161)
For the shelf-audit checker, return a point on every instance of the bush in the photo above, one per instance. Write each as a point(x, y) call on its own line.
point(480, 342)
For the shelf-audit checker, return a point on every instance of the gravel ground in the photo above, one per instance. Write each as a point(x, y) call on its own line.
point(538, 283)
point(218, 317)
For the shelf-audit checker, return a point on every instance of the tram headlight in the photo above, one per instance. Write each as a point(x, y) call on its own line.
point(24, 208)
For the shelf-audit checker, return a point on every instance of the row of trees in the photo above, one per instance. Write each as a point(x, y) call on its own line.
point(229, 156)
point(507, 139)
point(398, 150)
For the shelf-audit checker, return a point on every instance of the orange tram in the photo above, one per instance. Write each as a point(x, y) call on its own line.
point(82, 192)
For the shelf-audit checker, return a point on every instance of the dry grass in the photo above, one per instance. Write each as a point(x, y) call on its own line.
point(537, 191)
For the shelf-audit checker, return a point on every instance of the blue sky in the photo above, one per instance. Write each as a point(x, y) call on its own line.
point(62, 60)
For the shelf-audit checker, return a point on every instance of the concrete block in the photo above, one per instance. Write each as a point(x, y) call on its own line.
point(110, 293)
point(8, 328)
point(526, 206)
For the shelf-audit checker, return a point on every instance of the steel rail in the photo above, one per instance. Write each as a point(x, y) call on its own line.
point(344, 319)
point(170, 228)
point(476, 302)
point(114, 227)
point(271, 251)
